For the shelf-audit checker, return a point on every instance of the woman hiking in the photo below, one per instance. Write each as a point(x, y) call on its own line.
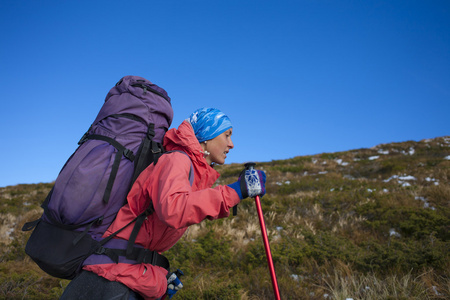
point(201, 141)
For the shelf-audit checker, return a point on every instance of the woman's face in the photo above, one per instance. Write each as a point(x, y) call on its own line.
point(218, 147)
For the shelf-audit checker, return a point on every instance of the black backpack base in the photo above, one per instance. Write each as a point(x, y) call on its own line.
point(64, 251)
point(65, 260)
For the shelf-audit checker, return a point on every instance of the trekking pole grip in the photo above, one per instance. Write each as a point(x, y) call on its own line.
point(250, 166)
point(247, 166)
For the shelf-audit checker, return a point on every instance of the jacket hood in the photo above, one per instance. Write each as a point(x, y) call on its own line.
point(183, 139)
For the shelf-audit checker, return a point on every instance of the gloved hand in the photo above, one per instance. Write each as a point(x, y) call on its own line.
point(251, 183)
point(174, 283)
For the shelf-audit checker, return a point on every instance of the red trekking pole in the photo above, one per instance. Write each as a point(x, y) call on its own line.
point(266, 241)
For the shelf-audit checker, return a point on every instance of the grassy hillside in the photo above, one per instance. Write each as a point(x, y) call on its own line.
point(362, 224)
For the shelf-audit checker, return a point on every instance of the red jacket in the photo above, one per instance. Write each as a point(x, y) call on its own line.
point(177, 205)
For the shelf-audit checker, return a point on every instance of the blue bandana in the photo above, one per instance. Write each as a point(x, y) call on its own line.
point(209, 123)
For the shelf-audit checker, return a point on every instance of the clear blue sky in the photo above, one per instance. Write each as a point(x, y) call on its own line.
point(295, 77)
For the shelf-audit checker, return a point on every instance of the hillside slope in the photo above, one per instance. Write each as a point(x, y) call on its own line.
point(366, 224)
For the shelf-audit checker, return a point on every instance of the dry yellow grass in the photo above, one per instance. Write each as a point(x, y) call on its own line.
point(343, 283)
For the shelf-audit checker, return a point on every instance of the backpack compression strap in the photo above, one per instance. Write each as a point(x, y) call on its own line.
point(121, 150)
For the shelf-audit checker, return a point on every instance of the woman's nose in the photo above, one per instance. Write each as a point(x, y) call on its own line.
point(230, 144)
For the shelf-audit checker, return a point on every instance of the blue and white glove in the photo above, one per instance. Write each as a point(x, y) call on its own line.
point(250, 184)
point(174, 283)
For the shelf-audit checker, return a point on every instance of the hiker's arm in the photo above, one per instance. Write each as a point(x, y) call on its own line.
point(178, 206)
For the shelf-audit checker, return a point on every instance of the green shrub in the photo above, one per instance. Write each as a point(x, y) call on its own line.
point(403, 255)
point(210, 249)
point(222, 292)
point(410, 222)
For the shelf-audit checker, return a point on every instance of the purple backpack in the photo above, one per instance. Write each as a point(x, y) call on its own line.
point(92, 186)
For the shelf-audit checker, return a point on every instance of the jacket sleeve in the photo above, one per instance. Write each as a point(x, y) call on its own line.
point(175, 202)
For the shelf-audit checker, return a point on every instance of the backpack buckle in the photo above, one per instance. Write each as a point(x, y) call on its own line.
point(156, 148)
point(128, 154)
point(84, 138)
point(99, 221)
point(100, 251)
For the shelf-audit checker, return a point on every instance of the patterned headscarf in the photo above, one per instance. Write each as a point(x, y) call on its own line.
point(209, 123)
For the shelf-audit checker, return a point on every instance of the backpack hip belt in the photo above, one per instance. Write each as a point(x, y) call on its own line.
point(114, 251)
